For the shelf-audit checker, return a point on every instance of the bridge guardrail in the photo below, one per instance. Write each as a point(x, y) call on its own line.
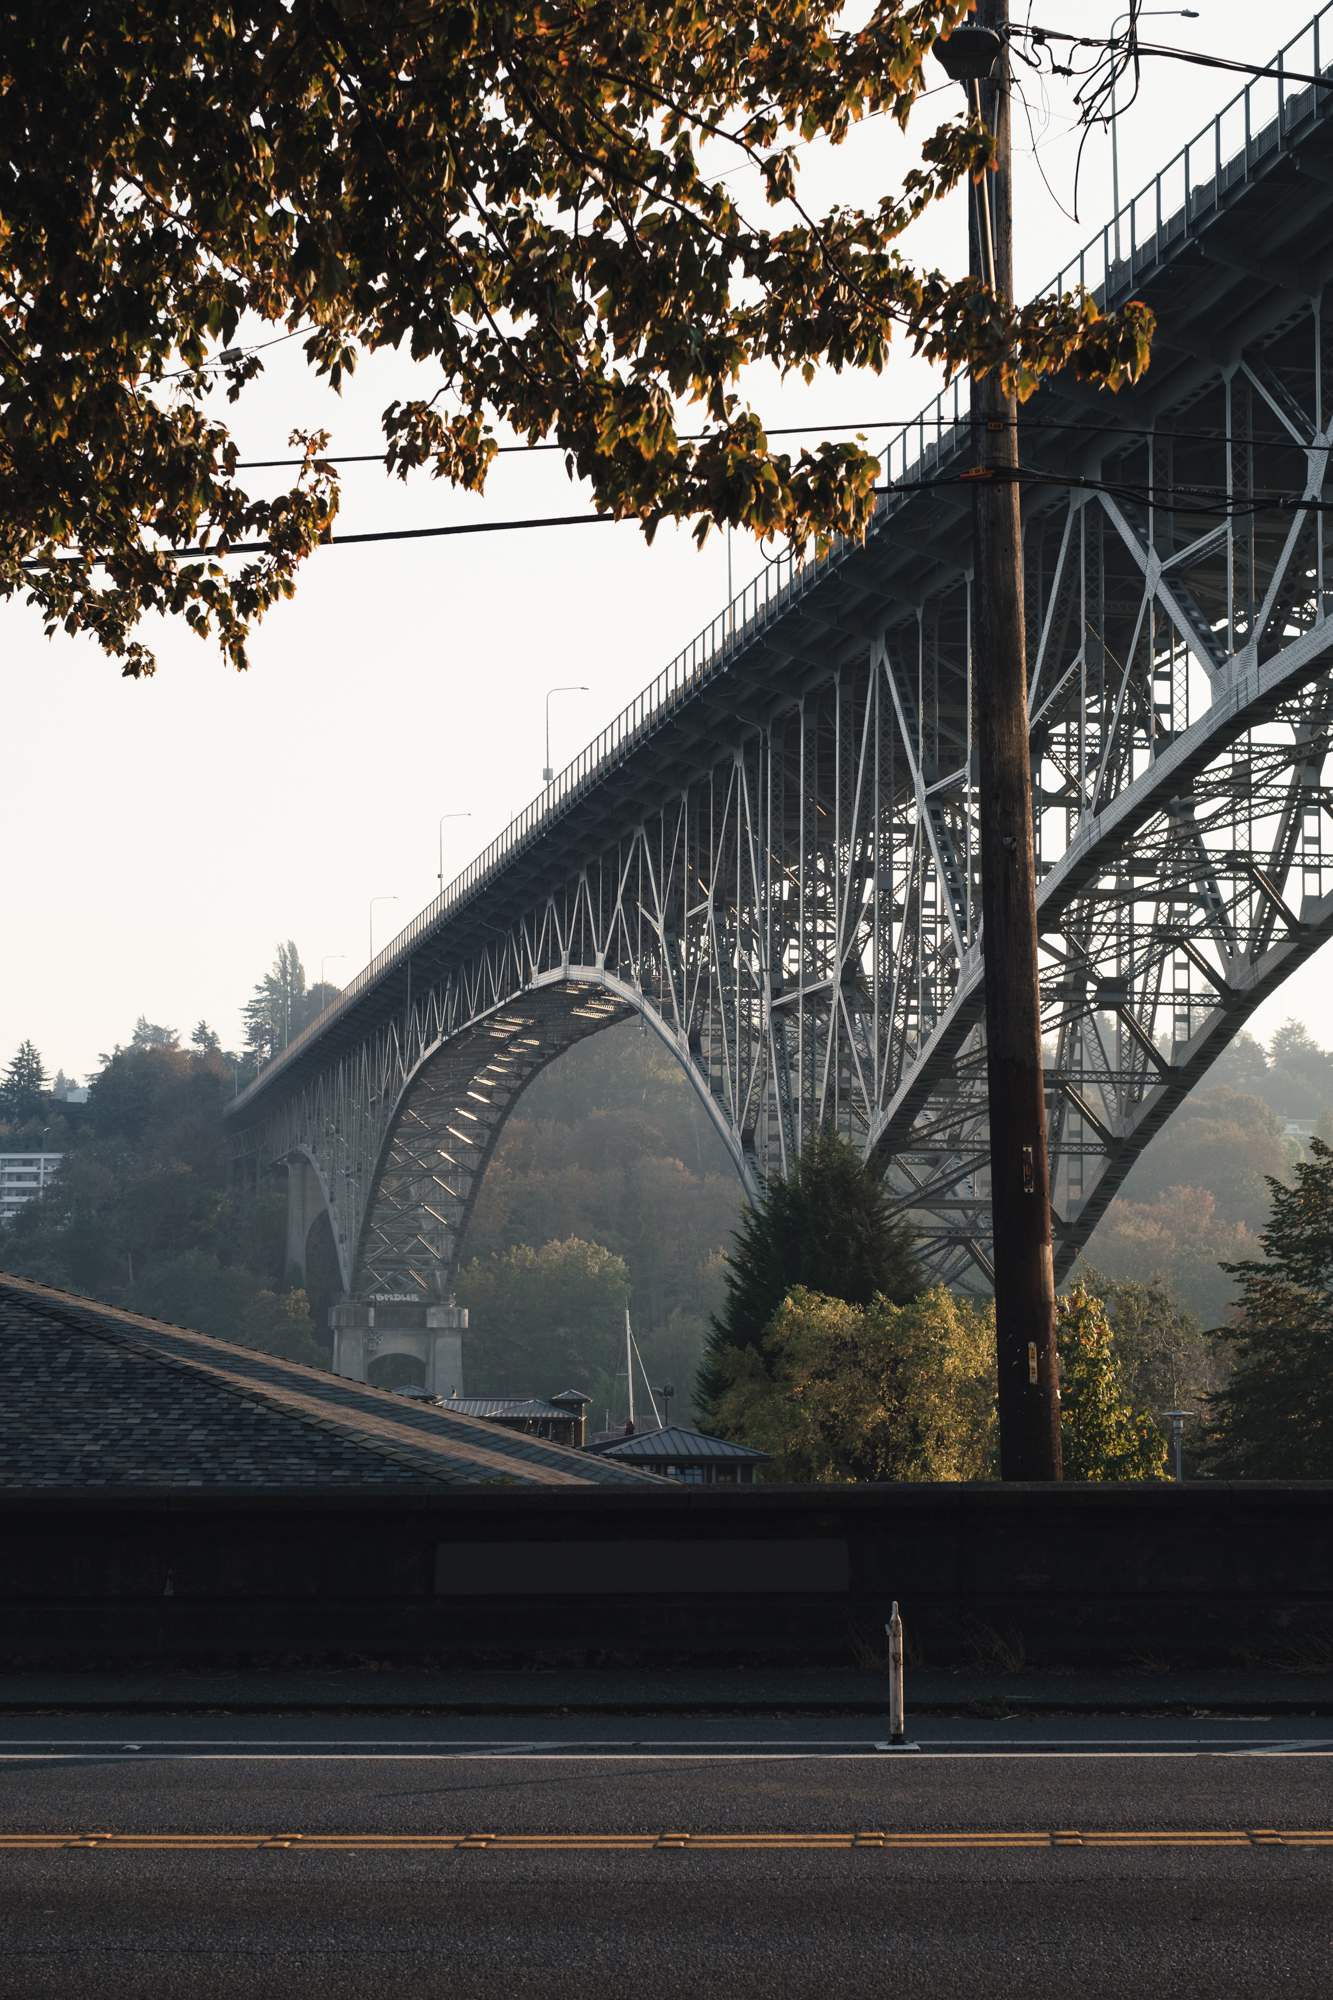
point(1249, 132)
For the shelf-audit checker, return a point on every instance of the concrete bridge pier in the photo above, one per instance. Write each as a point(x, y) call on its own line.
point(305, 1204)
point(366, 1331)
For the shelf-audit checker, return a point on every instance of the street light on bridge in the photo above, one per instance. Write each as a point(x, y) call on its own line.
point(328, 959)
point(373, 901)
point(443, 818)
point(571, 687)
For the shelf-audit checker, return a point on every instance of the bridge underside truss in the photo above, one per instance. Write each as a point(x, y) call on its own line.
point(797, 913)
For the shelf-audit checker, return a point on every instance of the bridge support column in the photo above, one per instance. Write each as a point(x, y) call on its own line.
point(433, 1334)
point(305, 1201)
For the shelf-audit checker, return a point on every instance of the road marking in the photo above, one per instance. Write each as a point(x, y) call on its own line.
point(643, 1753)
point(1040, 1840)
point(74, 1750)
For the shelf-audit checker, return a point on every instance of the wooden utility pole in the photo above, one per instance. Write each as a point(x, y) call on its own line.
point(1029, 1396)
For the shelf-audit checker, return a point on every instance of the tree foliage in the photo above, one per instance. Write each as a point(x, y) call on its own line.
point(1102, 1434)
point(152, 1035)
point(526, 198)
point(23, 1084)
point(144, 1213)
point(545, 1319)
point(827, 1228)
point(1164, 1355)
point(1274, 1418)
point(610, 1144)
point(842, 1392)
point(1197, 1200)
point(279, 1006)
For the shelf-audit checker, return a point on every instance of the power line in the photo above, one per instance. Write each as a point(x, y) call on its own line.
point(1268, 439)
point(1040, 35)
point(1196, 500)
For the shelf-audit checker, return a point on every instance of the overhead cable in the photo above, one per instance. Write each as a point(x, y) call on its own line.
point(1183, 499)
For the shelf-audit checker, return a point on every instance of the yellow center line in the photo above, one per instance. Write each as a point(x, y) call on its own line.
point(879, 1839)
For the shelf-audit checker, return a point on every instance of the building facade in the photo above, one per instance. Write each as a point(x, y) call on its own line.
point(23, 1175)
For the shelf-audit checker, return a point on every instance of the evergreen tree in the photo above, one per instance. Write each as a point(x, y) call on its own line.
point(151, 1035)
point(24, 1082)
point(1274, 1418)
point(278, 1007)
point(1102, 1435)
point(826, 1227)
point(204, 1039)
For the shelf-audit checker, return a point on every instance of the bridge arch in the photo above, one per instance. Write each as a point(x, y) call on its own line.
point(453, 1106)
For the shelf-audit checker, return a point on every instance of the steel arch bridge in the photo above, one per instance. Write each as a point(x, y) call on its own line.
point(771, 856)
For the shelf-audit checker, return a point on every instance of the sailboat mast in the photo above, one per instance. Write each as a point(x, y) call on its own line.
point(629, 1364)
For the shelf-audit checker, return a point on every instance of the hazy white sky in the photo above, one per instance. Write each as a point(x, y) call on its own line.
point(160, 837)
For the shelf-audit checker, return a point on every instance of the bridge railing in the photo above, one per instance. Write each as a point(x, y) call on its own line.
point(1244, 138)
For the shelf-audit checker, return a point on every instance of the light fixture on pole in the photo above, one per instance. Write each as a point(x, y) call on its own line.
point(373, 901)
point(1177, 1420)
point(443, 818)
point(570, 687)
point(328, 959)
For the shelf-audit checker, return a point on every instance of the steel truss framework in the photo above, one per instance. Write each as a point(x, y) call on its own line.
point(798, 919)
point(778, 871)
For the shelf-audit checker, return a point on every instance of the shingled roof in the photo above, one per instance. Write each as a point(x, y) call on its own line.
point(91, 1396)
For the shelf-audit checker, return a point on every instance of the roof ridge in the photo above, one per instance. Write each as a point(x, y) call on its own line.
point(422, 1440)
point(250, 1393)
point(319, 1377)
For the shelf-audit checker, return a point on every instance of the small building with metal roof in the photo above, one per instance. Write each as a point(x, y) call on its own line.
point(687, 1455)
point(562, 1418)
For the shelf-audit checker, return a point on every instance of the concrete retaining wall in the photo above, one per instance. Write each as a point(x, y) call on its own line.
point(1205, 1575)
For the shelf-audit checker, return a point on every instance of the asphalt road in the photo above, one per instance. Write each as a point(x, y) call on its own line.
point(347, 1858)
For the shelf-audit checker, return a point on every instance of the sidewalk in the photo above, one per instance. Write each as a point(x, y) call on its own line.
point(618, 1691)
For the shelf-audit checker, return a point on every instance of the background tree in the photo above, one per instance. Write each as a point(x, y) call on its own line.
point(518, 194)
point(144, 1211)
point(278, 1006)
point(23, 1086)
point(827, 1228)
point(1164, 1355)
point(611, 1145)
point(1274, 1418)
point(842, 1392)
point(546, 1319)
point(204, 1039)
point(151, 1035)
point(1103, 1434)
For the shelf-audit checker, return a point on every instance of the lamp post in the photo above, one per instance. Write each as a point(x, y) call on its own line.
point(570, 687)
point(373, 901)
point(1177, 1420)
point(1176, 13)
point(666, 1392)
point(328, 959)
point(443, 818)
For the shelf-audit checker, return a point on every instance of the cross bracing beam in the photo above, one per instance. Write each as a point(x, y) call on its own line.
point(774, 862)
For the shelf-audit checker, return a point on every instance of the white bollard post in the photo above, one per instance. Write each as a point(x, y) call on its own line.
point(897, 1717)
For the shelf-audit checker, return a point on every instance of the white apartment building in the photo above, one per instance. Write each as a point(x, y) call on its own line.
point(22, 1175)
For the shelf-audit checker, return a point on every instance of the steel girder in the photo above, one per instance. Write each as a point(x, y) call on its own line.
point(796, 911)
